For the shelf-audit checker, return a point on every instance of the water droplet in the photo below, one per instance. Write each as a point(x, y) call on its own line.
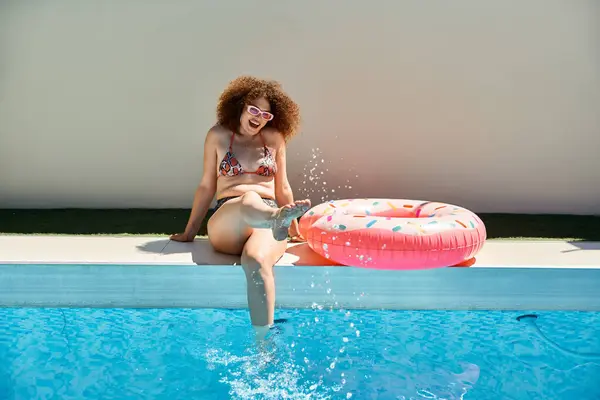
point(345, 339)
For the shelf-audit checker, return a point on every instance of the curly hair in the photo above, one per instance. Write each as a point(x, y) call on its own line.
point(243, 90)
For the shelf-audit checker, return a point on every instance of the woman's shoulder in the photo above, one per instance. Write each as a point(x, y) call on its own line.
point(218, 134)
point(272, 136)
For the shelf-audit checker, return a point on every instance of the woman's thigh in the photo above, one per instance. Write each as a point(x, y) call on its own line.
point(227, 231)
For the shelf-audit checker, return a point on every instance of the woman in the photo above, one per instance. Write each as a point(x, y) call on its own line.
point(245, 166)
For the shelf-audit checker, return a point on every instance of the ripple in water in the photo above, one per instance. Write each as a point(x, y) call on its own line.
point(318, 354)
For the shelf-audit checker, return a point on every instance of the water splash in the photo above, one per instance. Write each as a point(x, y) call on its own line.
point(315, 182)
point(272, 375)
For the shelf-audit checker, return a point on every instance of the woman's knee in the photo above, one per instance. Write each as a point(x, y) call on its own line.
point(257, 264)
point(250, 198)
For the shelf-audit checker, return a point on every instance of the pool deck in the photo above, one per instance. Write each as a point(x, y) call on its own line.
point(151, 250)
point(150, 271)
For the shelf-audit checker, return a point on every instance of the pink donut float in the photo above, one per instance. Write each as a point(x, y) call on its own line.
point(393, 233)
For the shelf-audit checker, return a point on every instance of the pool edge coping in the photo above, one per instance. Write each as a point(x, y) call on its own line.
point(165, 286)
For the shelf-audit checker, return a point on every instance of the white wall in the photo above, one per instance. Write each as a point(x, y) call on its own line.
point(494, 105)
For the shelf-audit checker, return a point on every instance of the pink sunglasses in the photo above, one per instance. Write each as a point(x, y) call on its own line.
point(253, 110)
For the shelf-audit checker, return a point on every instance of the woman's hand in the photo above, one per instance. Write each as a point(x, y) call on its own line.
point(182, 237)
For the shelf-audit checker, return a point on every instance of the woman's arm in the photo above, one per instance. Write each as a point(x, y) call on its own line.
point(283, 190)
point(204, 192)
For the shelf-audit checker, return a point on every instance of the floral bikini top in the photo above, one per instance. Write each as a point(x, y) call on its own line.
point(230, 166)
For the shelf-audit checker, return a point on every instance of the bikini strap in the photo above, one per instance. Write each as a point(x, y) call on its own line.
point(263, 141)
point(231, 141)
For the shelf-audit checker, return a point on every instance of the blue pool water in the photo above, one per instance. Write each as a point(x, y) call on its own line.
point(317, 354)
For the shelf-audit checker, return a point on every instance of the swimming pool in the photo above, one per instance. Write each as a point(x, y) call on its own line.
point(88, 331)
point(316, 354)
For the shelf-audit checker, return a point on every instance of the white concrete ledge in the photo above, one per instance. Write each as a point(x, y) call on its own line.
point(62, 271)
point(149, 250)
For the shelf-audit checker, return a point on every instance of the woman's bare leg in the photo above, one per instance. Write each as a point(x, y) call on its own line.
point(248, 226)
point(232, 224)
point(260, 254)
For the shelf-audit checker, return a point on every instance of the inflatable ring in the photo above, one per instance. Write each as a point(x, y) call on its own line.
point(393, 234)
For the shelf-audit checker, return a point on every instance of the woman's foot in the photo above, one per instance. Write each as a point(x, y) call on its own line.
point(285, 215)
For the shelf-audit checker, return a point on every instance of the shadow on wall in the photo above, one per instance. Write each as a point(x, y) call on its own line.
point(168, 221)
point(550, 226)
point(78, 221)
